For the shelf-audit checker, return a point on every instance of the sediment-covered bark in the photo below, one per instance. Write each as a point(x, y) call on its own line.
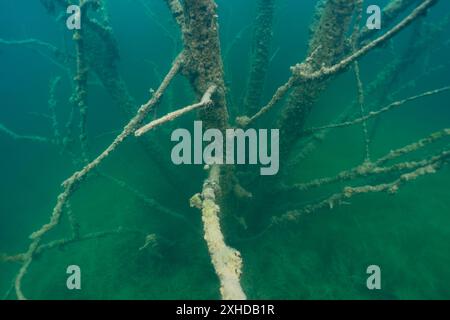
point(204, 67)
point(227, 261)
point(204, 64)
point(79, 97)
point(328, 45)
point(262, 39)
point(390, 13)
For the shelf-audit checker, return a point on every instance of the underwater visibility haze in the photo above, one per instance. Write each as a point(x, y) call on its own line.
point(102, 197)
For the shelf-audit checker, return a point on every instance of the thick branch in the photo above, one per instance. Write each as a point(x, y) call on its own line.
point(227, 261)
point(70, 184)
point(245, 121)
point(80, 95)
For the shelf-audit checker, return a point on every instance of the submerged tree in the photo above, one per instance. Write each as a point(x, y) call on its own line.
point(337, 43)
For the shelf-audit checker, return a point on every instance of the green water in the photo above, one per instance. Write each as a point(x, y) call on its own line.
point(321, 256)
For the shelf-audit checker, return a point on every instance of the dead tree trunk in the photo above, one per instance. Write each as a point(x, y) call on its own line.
point(204, 67)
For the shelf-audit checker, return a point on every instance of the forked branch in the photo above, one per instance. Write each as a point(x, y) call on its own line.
point(227, 261)
point(302, 74)
point(70, 184)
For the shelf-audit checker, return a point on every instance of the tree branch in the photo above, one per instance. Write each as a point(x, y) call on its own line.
point(429, 166)
point(17, 136)
point(303, 74)
point(324, 72)
point(70, 184)
point(204, 102)
point(371, 168)
point(227, 261)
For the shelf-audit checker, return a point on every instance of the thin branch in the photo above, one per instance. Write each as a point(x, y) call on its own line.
point(204, 65)
point(74, 225)
point(204, 102)
point(361, 102)
point(58, 58)
point(12, 258)
point(430, 166)
point(344, 63)
point(390, 12)
point(262, 40)
point(359, 84)
point(374, 114)
point(31, 41)
point(312, 142)
point(157, 20)
point(61, 243)
point(151, 202)
point(17, 136)
point(245, 121)
point(8, 292)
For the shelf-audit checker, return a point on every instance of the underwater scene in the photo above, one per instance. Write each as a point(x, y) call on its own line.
point(224, 149)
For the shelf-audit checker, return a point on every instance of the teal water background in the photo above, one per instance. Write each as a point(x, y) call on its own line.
point(322, 256)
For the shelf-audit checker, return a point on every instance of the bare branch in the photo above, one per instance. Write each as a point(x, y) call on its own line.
point(303, 74)
point(359, 84)
point(61, 243)
point(177, 12)
point(372, 168)
point(245, 121)
point(17, 136)
point(204, 102)
point(390, 12)
point(262, 40)
point(12, 258)
point(70, 184)
point(430, 166)
point(344, 63)
point(151, 202)
point(52, 108)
